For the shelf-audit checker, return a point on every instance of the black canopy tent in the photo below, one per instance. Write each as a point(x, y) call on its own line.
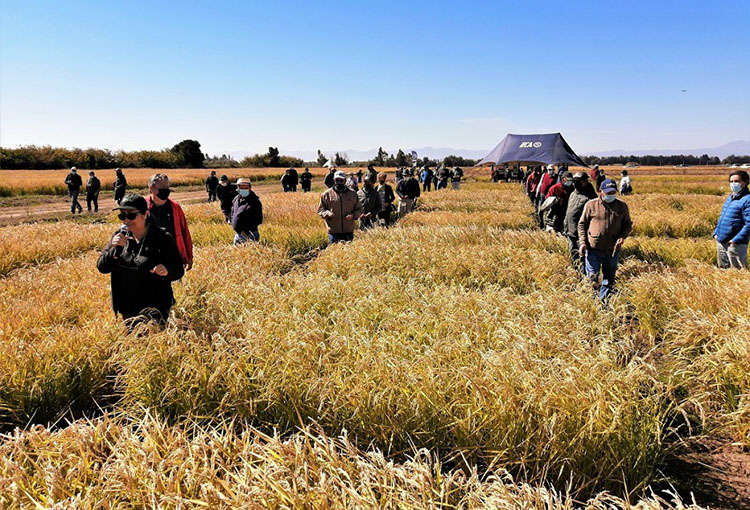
point(547, 149)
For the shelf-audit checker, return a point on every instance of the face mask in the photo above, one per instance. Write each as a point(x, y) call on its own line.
point(609, 198)
point(243, 192)
point(339, 186)
point(567, 184)
point(163, 194)
point(735, 186)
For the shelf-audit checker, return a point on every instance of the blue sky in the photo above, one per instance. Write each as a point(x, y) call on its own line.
point(356, 75)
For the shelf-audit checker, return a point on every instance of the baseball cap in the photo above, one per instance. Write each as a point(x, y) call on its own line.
point(133, 201)
point(608, 185)
point(550, 167)
point(339, 175)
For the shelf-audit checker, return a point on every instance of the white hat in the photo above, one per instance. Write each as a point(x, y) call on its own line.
point(339, 175)
point(550, 167)
point(72, 169)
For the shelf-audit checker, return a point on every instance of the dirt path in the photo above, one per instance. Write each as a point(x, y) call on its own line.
point(61, 208)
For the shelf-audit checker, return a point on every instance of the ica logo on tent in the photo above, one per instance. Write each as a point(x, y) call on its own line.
point(528, 145)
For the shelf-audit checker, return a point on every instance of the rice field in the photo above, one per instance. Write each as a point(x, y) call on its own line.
point(51, 182)
point(455, 360)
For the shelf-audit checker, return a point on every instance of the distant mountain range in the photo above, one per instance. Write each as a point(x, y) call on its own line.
point(739, 147)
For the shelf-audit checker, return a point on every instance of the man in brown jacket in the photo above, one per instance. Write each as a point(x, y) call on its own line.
point(339, 207)
point(603, 227)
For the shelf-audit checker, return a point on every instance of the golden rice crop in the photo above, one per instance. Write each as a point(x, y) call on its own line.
point(460, 330)
point(151, 465)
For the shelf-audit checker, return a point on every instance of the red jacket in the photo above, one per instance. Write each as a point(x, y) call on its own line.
point(558, 190)
point(547, 182)
point(531, 183)
point(182, 233)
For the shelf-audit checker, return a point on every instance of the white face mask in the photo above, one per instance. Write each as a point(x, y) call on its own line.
point(243, 192)
point(735, 186)
point(609, 198)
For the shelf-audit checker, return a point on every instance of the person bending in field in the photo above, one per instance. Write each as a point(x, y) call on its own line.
point(168, 214)
point(369, 200)
point(732, 232)
point(226, 191)
point(247, 213)
point(143, 261)
point(387, 197)
point(74, 183)
point(339, 207)
point(602, 229)
point(626, 188)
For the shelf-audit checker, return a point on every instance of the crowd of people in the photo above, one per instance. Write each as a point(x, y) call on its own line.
point(585, 209)
point(153, 246)
point(74, 182)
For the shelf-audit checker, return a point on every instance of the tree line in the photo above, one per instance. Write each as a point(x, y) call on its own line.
point(682, 159)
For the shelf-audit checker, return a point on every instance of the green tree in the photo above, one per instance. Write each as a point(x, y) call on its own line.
point(401, 159)
point(190, 152)
point(321, 158)
point(341, 159)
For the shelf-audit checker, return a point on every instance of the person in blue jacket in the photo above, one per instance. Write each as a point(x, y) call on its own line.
point(732, 232)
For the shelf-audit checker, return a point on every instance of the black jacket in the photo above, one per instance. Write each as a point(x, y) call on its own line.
point(212, 182)
point(73, 181)
point(306, 176)
point(134, 286)
point(247, 213)
point(226, 195)
point(120, 186)
point(408, 188)
point(93, 185)
point(329, 180)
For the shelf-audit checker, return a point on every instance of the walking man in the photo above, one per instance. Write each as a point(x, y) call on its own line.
point(407, 190)
point(93, 185)
point(212, 182)
point(369, 200)
point(339, 207)
point(225, 192)
point(602, 229)
point(305, 180)
point(74, 182)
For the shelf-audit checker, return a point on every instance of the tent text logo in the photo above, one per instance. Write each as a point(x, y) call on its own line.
point(528, 145)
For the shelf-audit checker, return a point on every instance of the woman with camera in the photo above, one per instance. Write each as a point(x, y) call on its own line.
point(143, 261)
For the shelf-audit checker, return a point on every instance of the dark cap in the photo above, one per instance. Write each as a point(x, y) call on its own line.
point(568, 175)
point(132, 201)
point(223, 177)
point(608, 185)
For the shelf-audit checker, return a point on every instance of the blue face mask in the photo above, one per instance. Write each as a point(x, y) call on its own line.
point(735, 186)
point(243, 192)
point(609, 198)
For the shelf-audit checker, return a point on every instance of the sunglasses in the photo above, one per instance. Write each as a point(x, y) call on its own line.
point(131, 215)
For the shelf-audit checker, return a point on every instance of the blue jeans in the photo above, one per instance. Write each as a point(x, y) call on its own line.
point(74, 204)
point(251, 236)
point(340, 238)
point(596, 260)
